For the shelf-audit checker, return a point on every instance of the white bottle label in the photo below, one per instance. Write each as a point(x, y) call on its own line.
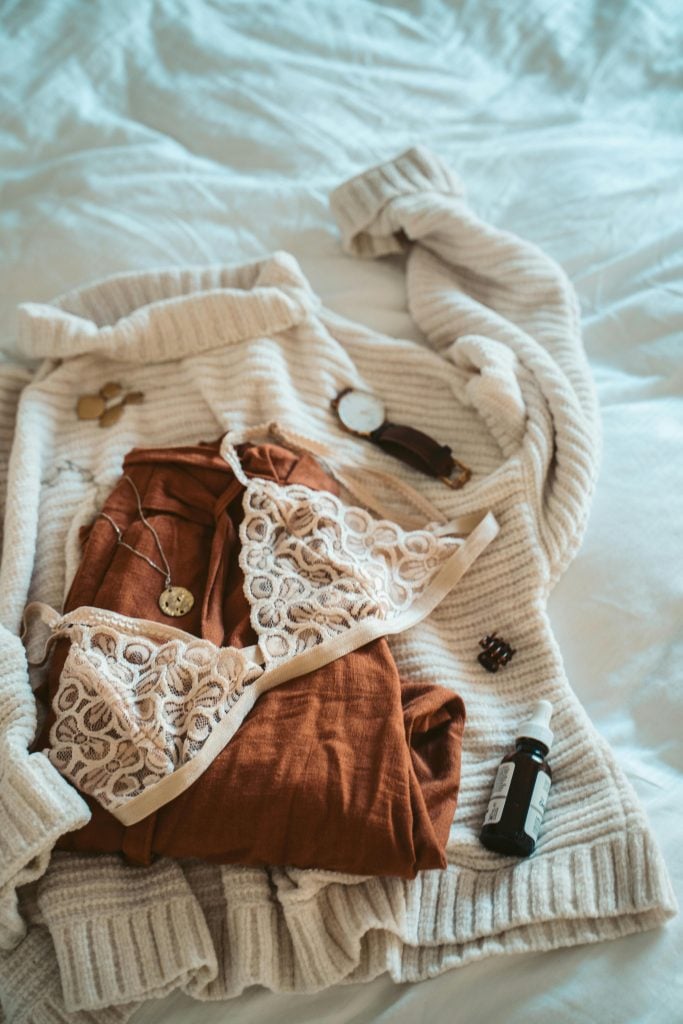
point(499, 793)
point(532, 825)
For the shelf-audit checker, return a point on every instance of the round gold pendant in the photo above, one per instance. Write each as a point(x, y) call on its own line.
point(176, 601)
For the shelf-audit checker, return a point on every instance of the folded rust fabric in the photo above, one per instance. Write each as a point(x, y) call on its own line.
point(347, 768)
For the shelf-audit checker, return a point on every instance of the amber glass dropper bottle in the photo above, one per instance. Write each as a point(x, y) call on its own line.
point(515, 811)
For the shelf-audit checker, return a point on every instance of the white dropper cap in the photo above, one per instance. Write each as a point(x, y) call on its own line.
point(537, 725)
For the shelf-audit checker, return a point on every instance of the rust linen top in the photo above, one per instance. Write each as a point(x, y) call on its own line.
point(347, 768)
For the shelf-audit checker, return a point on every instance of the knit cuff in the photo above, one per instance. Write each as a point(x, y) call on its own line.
point(30, 988)
point(358, 203)
point(577, 895)
point(123, 934)
point(37, 806)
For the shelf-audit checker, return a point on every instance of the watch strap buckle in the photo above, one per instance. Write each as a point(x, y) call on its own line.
point(458, 476)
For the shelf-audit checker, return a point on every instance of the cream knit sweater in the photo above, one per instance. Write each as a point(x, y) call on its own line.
point(501, 377)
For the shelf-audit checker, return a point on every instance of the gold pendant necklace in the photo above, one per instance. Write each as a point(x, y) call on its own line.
point(176, 601)
point(173, 601)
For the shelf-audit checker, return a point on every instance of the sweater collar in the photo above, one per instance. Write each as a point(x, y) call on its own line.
point(167, 314)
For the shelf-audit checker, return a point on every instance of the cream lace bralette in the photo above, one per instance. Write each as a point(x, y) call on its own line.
point(143, 708)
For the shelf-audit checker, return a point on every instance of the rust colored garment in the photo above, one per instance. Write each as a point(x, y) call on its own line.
point(346, 768)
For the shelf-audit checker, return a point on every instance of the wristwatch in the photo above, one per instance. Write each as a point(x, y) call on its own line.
point(362, 413)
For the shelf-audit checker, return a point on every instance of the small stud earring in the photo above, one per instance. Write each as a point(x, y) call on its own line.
point(496, 653)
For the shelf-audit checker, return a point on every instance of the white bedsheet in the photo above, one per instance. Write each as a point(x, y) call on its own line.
point(149, 133)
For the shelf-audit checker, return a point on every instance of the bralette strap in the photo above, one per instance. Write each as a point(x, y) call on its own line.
point(346, 475)
point(40, 627)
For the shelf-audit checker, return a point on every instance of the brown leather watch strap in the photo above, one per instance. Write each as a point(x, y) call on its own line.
point(420, 451)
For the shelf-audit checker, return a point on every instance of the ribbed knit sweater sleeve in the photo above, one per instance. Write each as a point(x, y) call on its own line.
point(470, 285)
point(37, 804)
point(12, 379)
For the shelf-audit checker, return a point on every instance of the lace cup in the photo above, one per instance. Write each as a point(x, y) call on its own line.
point(314, 568)
point(130, 710)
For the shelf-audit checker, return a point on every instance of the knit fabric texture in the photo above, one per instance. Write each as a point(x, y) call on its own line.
point(500, 377)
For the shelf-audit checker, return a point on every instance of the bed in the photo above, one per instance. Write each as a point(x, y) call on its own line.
point(162, 133)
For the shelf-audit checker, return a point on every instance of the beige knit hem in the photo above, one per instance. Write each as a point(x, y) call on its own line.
point(226, 928)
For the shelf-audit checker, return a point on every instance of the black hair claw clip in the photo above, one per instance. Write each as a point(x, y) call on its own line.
point(496, 653)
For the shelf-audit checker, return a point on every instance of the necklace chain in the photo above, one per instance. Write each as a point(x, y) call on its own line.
point(166, 571)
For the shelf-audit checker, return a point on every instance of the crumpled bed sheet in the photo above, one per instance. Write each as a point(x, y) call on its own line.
point(139, 135)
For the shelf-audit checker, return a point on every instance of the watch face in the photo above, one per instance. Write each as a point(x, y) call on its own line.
point(361, 411)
